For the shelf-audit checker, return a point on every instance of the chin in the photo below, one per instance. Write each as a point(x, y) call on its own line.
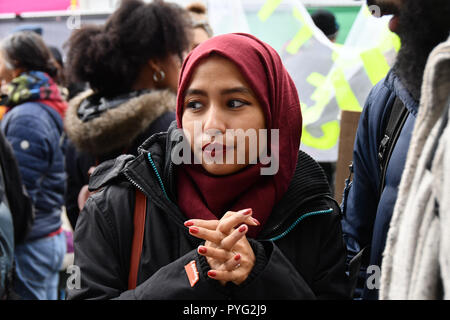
point(222, 169)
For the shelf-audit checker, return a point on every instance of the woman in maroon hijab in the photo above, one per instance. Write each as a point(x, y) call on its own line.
point(232, 208)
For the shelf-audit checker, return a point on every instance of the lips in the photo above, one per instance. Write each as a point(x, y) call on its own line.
point(393, 24)
point(214, 148)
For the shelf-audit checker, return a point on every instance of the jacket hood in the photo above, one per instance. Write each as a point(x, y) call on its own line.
point(117, 126)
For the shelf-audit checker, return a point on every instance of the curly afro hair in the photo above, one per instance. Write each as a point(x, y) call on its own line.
point(110, 57)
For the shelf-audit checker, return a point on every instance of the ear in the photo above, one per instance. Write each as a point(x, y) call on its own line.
point(154, 65)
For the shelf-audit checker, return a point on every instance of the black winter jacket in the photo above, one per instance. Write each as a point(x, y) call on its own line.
point(20, 203)
point(300, 252)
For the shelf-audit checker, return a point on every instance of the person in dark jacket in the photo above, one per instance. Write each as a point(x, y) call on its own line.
point(33, 126)
point(271, 226)
point(368, 209)
point(16, 216)
point(131, 64)
point(6, 240)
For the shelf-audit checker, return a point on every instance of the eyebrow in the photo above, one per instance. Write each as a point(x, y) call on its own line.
point(223, 92)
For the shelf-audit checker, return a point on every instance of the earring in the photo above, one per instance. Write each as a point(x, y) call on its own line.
point(159, 76)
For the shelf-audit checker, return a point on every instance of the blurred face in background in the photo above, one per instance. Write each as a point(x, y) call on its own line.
point(199, 35)
point(6, 74)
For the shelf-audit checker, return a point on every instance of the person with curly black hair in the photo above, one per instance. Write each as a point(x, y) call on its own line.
point(131, 64)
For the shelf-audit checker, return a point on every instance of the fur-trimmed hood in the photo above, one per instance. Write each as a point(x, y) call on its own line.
point(117, 127)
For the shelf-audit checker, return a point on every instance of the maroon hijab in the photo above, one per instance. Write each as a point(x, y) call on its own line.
point(205, 196)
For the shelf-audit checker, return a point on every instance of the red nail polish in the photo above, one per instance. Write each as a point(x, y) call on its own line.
point(247, 212)
point(193, 230)
point(242, 228)
point(256, 221)
point(188, 223)
point(237, 257)
point(202, 250)
point(211, 274)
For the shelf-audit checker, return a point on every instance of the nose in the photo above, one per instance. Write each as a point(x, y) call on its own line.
point(215, 120)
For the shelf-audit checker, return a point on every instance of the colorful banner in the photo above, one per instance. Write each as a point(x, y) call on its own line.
point(19, 6)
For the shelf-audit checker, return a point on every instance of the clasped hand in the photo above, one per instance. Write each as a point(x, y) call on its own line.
point(226, 247)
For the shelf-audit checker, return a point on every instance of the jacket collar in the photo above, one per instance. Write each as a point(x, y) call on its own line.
point(394, 84)
point(121, 121)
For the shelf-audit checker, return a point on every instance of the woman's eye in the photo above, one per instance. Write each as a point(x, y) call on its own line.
point(194, 105)
point(236, 103)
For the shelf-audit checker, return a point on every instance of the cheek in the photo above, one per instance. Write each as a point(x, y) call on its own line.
point(260, 123)
point(172, 76)
point(173, 80)
point(3, 73)
point(258, 119)
point(189, 129)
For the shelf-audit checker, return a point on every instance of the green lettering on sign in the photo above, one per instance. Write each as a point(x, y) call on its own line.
point(327, 141)
point(375, 65)
point(345, 97)
point(268, 8)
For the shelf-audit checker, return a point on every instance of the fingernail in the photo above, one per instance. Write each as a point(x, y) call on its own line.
point(237, 257)
point(246, 212)
point(202, 250)
point(242, 228)
point(188, 223)
point(212, 274)
point(193, 230)
point(256, 221)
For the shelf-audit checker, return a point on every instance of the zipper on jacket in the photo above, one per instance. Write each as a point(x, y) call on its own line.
point(149, 156)
point(271, 239)
point(134, 183)
point(298, 221)
point(278, 226)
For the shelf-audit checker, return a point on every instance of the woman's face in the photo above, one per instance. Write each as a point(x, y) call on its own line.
point(199, 35)
point(219, 99)
point(6, 75)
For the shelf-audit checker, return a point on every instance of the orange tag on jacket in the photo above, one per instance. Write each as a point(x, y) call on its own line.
point(192, 272)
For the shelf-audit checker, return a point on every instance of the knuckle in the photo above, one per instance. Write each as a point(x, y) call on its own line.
point(222, 227)
point(216, 237)
point(225, 244)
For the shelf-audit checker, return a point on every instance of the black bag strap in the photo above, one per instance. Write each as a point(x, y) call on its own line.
point(397, 118)
point(361, 259)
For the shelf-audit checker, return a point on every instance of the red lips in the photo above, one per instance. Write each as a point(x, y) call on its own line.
point(212, 148)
